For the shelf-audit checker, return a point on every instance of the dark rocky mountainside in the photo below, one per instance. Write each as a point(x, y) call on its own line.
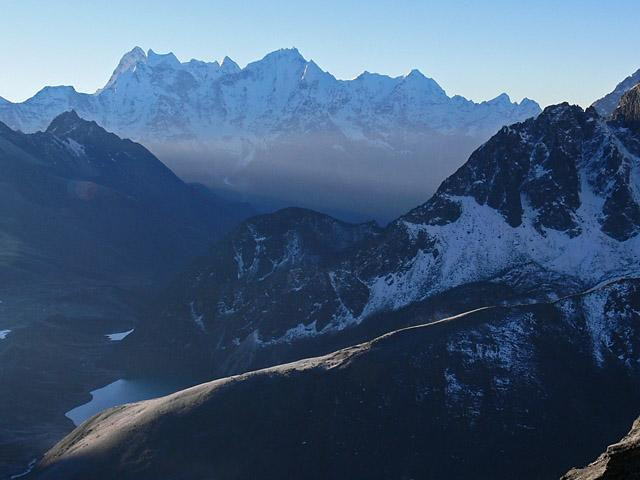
point(86, 200)
point(89, 222)
point(494, 393)
point(621, 461)
point(628, 111)
point(546, 208)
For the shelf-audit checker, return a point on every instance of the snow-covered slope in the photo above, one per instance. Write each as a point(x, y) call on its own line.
point(546, 208)
point(282, 121)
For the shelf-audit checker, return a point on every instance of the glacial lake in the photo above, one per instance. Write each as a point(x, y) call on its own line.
point(122, 391)
point(116, 337)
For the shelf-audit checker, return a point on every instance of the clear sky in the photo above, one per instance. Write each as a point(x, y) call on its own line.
point(551, 51)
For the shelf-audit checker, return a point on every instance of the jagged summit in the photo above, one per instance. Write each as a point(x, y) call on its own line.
point(66, 122)
point(503, 98)
point(165, 59)
point(229, 66)
point(128, 61)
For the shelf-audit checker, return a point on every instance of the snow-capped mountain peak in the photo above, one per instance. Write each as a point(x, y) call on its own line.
point(165, 59)
point(128, 61)
point(502, 99)
point(229, 66)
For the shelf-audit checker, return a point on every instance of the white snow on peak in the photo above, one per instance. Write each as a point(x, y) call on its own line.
point(155, 96)
point(166, 59)
point(127, 63)
point(74, 147)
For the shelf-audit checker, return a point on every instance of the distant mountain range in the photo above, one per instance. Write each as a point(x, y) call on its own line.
point(281, 131)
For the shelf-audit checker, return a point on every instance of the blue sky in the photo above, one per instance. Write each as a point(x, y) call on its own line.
point(549, 51)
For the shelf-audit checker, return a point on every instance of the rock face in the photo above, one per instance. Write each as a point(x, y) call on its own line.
point(621, 461)
point(283, 130)
point(628, 110)
point(546, 208)
point(607, 104)
point(495, 393)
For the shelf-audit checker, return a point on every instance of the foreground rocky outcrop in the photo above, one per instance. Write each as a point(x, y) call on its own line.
point(621, 461)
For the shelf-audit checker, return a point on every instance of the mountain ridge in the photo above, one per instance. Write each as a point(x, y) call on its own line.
point(284, 130)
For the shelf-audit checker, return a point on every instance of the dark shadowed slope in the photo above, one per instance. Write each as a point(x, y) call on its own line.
point(88, 223)
point(621, 461)
point(496, 393)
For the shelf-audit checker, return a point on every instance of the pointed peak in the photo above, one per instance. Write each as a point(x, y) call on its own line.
point(415, 73)
point(63, 121)
point(229, 66)
point(67, 123)
point(135, 54)
point(416, 81)
point(127, 63)
point(502, 98)
point(528, 103)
